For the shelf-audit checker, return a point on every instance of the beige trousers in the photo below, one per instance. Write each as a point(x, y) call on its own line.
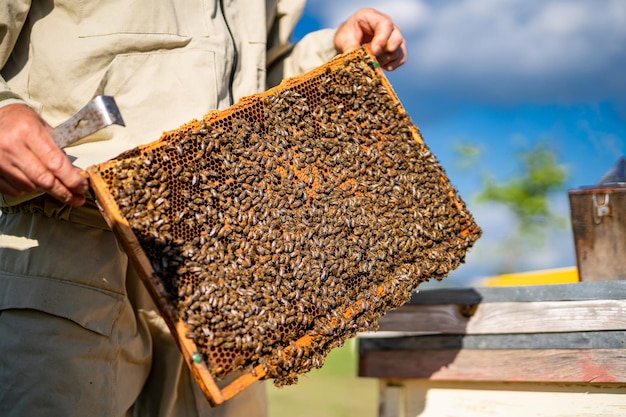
point(79, 335)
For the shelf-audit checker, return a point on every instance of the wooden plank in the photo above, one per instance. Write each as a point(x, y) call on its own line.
point(523, 399)
point(506, 318)
point(607, 290)
point(573, 340)
point(392, 401)
point(553, 365)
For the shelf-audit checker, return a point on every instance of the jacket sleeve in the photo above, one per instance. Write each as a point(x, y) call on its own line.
point(13, 14)
point(285, 59)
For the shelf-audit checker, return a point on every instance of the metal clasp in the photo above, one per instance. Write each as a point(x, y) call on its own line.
point(601, 209)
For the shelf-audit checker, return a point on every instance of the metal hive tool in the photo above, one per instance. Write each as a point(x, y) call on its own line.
point(271, 232)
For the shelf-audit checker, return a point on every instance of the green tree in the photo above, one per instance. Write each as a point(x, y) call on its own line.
point(527, 195)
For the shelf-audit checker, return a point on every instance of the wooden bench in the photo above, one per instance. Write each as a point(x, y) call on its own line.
point(540, 350)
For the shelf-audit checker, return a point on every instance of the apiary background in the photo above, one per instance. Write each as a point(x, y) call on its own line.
point(271, 232)
point(541, 350)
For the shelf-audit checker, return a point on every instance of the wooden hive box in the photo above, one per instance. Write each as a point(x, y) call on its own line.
point(598, 217)
point(541, 350)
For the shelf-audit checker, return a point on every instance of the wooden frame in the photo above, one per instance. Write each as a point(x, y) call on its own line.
point(121, 227)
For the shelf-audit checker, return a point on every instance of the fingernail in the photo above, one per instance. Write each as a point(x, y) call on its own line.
point(83, 187)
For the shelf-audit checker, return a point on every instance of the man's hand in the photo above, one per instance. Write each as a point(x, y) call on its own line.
point(31, 161)
point(385, 38)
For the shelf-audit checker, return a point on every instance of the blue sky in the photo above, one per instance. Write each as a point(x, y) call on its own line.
point(501, 75)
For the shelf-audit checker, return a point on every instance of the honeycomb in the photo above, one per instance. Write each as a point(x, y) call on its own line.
point(271, 232)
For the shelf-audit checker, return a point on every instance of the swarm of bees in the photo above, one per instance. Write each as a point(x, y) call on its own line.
point(310, 210)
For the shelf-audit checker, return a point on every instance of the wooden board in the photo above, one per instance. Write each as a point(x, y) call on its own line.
point(571, 340)
point(550, 333)
point(420, 398)
point(537, 365)
point(580, 291)
point(508, 317)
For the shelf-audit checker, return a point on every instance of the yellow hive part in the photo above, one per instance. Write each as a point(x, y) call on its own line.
point(540, 277)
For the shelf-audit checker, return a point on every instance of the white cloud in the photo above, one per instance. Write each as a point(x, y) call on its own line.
point(406, 13)
point(507, 50)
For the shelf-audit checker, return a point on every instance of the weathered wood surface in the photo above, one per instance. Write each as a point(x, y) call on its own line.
point(509, 317)
point(552, 333)
point(531, 365)
point(615, 339)
point(510, 351)
point(420, 398)
point(599, 228)
point(580, 291)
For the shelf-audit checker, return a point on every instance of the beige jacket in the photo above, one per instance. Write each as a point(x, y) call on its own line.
point(165, 62)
